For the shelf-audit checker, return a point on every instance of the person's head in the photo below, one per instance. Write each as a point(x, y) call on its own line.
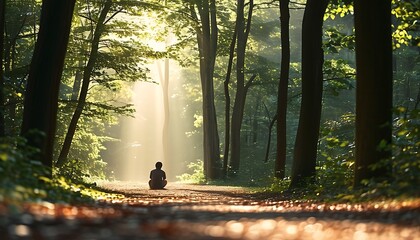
point(158, 165)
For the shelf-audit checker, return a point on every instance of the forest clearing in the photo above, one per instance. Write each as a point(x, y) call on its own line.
point(185, 211)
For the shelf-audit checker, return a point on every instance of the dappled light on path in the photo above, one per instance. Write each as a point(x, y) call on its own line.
point(213, 212)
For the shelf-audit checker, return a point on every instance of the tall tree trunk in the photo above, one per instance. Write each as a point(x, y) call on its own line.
point(374, 86)
point(305, 152)
point(238, 106)
point(227, 104)
point(214, 156)
point(207, 44)
point(2, 99)
point(41, 97)
point(280, 165)
point(166, 116)
point(165, 92)
point(62, 159)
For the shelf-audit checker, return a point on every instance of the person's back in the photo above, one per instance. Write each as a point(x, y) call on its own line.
point(157, 177)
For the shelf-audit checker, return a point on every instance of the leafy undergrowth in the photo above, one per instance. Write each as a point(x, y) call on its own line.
point(317, 192)
point(25, 181)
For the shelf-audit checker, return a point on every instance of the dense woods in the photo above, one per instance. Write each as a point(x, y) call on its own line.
point(278, 94)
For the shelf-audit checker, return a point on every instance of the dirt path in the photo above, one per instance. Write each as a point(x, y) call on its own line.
point(212, 212)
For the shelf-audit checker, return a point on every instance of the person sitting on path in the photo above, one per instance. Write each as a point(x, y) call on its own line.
point(157, 177)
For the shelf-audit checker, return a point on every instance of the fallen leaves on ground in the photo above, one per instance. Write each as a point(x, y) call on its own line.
point(209, 212)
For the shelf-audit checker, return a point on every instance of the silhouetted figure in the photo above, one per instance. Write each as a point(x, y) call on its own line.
point(157, 177)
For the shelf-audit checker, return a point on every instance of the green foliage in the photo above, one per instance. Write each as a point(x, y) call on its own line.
point(197, 175)
point(334, 167)
point(120, 61)
point(405, 163)
point(336, 40)
point(340, 76)
point(336, 153)
point(278, 185)
point(21, 24)
point(406, 24)
point(338, 8)
point(85, 163)
point(253, 172)
point(22, 179)
point(336, 163)
point(18, 174)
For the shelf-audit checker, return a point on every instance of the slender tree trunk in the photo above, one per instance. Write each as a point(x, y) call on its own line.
point(2, 99)
point(79, 72)
point(238, 107)
point(374, 87)
point(77, 81)
point(41, 97)
point(166, 116)
point(254, 120)
point(270, 128)
point(165, 95)
point(227, 104)
point(237, 117)
point(62, 159)
point(215, 154)
point(305, 152)
point(280, 165)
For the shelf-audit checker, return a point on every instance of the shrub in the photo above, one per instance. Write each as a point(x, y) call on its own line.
point(197, 175)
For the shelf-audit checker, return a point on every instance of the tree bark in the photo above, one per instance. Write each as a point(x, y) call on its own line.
point(41, 97)
point(165, 96)
point(207, 36)
point(227, 104)
point(305, 153)
point(62, 159)
point(280, 165)
point(238, 107)
point(270, 128)
point(374, 87)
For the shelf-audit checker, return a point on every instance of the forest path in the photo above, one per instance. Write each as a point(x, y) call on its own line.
point(214, 212)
